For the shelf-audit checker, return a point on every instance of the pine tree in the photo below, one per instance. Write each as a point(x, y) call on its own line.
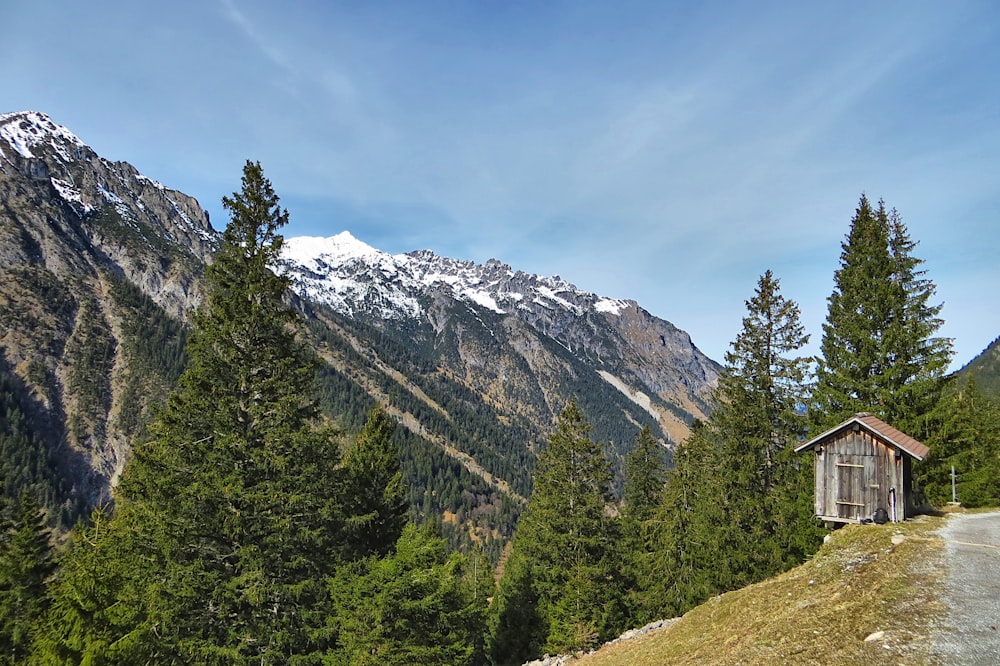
point(376, 505)
point(98, 600)
point(879, 353)
point(567, 541)
point(736, 506)
point(689, 546)
point(763, 384)
point(233, 509)
point(413, 607)
point(759, 422)
point(515, 630)
point(645, 477)
point(25, 566)
point(964, 432)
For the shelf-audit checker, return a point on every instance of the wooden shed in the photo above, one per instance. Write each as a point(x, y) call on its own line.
point(863, 465)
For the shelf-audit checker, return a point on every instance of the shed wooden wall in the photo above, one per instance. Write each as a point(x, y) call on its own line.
point(854, 472)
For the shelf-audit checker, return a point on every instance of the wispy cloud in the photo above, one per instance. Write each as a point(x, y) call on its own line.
point(266, 48)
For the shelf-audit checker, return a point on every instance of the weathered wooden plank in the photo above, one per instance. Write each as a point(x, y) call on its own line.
point(819, 496)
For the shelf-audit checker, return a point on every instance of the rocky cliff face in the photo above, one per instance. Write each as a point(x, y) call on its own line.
point(68, 205)
point(75, 231)
point(100, 269)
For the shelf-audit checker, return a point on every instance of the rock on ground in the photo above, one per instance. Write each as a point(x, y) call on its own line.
point(562, 659)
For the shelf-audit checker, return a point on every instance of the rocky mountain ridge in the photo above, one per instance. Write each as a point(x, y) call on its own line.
point(100, 269)
point(134, 222)
point(75, 229)
point(656, 360)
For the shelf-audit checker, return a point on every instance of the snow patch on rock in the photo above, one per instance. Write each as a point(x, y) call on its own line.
point(71, 195)
point(27, 129)
point(611, 305)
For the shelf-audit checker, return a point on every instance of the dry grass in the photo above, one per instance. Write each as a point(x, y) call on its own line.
point(819, 613)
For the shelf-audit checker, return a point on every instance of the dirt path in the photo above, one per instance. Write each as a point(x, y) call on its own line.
point(969, 633)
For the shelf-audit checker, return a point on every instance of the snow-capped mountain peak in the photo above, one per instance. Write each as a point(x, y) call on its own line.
point(311, 251)
point(351, 276)
point(25, 130)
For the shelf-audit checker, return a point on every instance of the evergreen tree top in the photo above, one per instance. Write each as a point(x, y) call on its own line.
point(645, 476)
point(879, 351)
point(256, 216)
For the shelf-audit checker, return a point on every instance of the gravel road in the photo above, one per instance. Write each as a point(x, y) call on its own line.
point(969, 633)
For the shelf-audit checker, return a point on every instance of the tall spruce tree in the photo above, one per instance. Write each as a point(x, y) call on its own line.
point(230, 517)
point(736, 506)
point(25, 566)
point(688, 539)
point(375, 503)
point(515, 630)
point(645, 477)
point(758, 423)
point(564, 559)
point(879, 351)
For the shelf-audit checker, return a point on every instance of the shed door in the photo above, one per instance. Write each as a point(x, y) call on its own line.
point(855, 479)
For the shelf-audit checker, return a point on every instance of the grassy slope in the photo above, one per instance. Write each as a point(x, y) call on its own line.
point(818, 613)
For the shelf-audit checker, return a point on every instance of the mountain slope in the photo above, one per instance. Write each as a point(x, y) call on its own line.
point(100, 270)
point(97, 266)
point(648, 360)
point(986, 369)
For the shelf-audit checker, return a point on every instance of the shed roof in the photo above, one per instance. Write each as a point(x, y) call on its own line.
point(877, 427)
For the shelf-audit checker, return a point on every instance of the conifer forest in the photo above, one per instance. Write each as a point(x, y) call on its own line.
point(249, 527)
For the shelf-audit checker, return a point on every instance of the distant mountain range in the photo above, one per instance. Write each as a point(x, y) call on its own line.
point(649, 361)
point(100, 270)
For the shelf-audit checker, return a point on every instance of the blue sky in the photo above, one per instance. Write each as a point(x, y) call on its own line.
point(661, 151)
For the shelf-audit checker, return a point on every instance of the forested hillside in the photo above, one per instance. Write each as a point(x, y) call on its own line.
point(985, 367)
point(243, 530)
point(963, 432)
